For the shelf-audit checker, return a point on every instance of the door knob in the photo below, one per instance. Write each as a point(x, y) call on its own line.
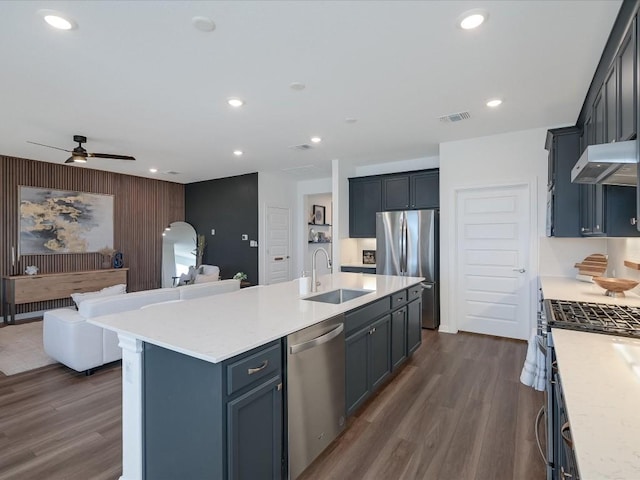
point(520, 270)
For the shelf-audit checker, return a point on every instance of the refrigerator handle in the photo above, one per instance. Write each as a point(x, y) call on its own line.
point(404, 244)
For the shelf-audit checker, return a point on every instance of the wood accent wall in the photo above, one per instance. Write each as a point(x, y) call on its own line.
point(142, 208)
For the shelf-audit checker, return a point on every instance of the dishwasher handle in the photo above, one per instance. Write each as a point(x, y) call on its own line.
point(301, 347)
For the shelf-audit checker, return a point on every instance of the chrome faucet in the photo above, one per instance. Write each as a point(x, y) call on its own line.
point(314, 282)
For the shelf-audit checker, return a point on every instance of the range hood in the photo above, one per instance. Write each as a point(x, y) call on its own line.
point(608, 164)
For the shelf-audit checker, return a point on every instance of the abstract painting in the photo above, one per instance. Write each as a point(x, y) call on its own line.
point(60, 221)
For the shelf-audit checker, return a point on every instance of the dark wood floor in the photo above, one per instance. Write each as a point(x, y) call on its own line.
point(456, 411)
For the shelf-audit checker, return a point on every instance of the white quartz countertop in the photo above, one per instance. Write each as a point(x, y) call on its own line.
point(219, 327)
point(601, 384)
point(561, 288)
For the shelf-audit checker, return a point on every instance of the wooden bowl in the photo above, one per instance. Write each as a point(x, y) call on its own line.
point(615, 287)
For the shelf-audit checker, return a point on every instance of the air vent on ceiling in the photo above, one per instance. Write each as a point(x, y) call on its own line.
point(171, 172)
point(303, 146)
point(455, 117)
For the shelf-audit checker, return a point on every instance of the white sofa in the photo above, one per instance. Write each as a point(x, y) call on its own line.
point(72, 341)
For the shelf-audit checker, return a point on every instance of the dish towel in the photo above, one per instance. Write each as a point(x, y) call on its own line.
point(533, 372)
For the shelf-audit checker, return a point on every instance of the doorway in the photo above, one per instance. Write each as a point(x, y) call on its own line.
point(493, 229)
point(278, 235)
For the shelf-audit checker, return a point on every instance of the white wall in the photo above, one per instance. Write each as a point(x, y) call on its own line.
point(619, 250)
point(276, 191)
point(341, 171)
point(515, 157)
point(399, 166)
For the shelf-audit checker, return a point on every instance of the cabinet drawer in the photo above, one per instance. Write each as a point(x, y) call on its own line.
point(415, 292)
point(259, 365)
point(398, 298)
point(355, 319)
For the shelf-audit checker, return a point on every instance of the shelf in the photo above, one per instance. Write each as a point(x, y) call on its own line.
point(317, 242)
point(633, 265)
point(320, 224)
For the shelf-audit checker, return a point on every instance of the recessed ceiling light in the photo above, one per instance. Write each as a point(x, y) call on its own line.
point(153, 170)
point(238, 153)
point(235, 102)
point(57, 19)
point(204, 24)
point(316, 139)
point(297, 86)
point(472, 19)
point(494, 103)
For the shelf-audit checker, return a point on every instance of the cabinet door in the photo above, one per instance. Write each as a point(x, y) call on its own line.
point(597, 222)
point(380, 339)
point(357, 386)
point(254, 433)
point(398, 337)
point(627, 81)
point(610, 106)
point(365, 200)
point(414, 326)
point(598, 120)
point(620, 211)
point(395, 194)
point(425, 190)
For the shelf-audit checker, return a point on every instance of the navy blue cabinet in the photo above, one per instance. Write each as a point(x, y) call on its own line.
point(380, 338)
point(365, 200)
point(205, 420)
point(398, 191)
point(563, 197)
point(414, 324)
point(398, 337)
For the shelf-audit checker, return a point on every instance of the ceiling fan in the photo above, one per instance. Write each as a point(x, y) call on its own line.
point(80, 155)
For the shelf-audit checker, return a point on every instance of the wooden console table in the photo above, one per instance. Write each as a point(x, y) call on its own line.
point(20, 289)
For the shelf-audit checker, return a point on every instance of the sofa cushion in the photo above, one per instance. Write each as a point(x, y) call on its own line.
point(119, 289)
point(206, 278)
point(198, 290)
point(122, 303)
point(209, 270)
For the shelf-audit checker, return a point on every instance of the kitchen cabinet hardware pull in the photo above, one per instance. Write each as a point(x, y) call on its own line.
point(565, 436)
point(264, 364)
point(633, 221)
point(521, 270)
point(541, 413)
point(301, 347)
point(564, 474)
point(278, 258)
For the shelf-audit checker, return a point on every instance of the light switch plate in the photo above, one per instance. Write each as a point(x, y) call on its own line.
point(253, 243)
point(213, 231)
point(245, 236)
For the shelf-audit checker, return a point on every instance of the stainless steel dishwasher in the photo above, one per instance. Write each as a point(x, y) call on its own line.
point(315, 391)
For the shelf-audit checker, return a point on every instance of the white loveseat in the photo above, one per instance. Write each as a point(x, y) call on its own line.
point(72, 341)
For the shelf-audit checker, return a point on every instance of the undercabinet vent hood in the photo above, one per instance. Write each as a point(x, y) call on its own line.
point(608, 164)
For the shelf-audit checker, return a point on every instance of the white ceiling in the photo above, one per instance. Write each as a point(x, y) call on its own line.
point(137, 78)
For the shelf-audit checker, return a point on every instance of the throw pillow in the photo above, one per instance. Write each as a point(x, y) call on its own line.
point(78, 298)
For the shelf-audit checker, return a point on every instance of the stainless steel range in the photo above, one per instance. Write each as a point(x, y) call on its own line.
point(594, 317)
point(589, 317)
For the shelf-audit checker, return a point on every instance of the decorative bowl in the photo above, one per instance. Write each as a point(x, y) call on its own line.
point(615, 287)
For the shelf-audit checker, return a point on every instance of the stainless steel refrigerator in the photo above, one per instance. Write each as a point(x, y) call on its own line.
point(407, 245)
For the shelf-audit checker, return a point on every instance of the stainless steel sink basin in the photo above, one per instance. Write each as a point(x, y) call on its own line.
point(338, 296)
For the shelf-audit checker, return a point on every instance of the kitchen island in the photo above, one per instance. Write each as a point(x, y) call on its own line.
point(216, 334)
point(600, 382)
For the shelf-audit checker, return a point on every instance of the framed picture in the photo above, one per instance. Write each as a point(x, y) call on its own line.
point(63, 221)
point(318, 215)
point(369, 257)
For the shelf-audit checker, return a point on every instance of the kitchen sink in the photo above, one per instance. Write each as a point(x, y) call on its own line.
point(338, 296)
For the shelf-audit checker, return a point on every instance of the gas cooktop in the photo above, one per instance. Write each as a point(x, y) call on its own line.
point(594, 317)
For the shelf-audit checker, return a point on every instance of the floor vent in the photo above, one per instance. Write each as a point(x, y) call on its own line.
point(455, 117)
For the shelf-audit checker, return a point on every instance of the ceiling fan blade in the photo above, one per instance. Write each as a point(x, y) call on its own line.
point(49, 146)
point(108, 155)
point(69, 160)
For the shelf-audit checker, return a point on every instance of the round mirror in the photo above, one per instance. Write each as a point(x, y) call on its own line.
point(178, 252)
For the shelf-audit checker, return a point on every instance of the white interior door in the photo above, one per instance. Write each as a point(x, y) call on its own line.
point(278, 245)
point(492, 256)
